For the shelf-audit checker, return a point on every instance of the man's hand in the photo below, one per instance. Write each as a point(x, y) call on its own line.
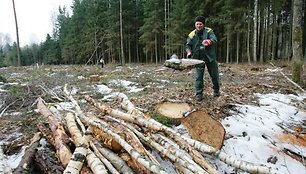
point(207, 42)
point(188, 53)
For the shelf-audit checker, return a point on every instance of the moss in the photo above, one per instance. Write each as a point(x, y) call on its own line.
point(163, 120)
point(296, 71)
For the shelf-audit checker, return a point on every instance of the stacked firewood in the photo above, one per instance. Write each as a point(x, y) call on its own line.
point(123, 142)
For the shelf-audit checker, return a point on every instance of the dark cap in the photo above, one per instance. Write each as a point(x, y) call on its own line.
point(200, 19)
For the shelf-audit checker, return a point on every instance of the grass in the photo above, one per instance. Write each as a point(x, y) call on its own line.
point(163, 120)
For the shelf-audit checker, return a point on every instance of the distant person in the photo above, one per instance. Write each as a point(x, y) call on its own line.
point(201, 45)
point(102, 62)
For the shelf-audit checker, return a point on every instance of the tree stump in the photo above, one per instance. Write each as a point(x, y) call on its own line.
point(202, 127)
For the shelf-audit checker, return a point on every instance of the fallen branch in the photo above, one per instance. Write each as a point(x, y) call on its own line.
point(295, 84)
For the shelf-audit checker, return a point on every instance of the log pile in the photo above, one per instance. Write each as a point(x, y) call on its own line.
point(118, 141)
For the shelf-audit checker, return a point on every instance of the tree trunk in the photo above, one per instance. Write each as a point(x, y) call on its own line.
point(297, 58)
point(227, 48)
point(237, 47)
point(17, 35)
point(248, 41)
point(255, 31)
point(274, 38)
point(156, 48)
point(262, 35)
point(121, 36)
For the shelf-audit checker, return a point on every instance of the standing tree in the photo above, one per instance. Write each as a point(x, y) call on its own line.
point(121, 36)
point(255, 31)
point(297, 39)
point(17, 35)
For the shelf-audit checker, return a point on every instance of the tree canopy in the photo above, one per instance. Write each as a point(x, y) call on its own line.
point(154, 30)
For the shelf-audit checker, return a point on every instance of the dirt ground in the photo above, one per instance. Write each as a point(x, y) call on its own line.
point(23, 85)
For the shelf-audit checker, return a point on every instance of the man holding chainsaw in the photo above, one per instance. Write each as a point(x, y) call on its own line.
point(201, 45)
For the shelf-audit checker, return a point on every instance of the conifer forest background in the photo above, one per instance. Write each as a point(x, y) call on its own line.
point(140, 31)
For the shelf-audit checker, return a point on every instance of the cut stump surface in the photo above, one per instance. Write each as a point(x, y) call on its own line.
point(202, 127)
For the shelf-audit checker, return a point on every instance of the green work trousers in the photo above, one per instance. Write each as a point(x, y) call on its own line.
point(213, 71)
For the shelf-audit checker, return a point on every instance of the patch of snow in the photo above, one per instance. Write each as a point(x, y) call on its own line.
point(134, 89)
point(14, 160)
point(122, 83)
point(126, 84)
point(254, 132)
point(102, 89)
point(12, 114)
point(273, 69)
point(111, 96)
point(64, 105)
point(81, 77)
point(69, 75)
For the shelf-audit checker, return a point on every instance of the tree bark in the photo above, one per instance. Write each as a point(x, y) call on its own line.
point(255, 31)
point(297, 44)
point(17, 35)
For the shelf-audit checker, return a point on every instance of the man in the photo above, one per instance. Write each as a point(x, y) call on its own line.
point(201, 45)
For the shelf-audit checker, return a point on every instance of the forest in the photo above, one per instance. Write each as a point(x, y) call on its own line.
point(140, 31)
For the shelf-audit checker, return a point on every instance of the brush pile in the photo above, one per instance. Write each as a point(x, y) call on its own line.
point(118, 141)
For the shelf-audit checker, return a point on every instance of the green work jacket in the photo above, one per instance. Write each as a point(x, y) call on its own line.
point(199, 51)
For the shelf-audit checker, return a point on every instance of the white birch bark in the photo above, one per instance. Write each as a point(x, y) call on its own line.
point(134, 154)
point(105, 161)
point(166, 151)
point(95, 163)
point(79, 155)
point(76, 162)
point(156, 126)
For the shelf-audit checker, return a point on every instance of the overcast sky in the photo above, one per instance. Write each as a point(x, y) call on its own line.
point(34, 18)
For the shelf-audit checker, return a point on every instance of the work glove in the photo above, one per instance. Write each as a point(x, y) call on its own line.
point(188, 53)
point(207, 42)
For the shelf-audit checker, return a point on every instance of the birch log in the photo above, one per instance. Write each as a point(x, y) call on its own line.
point(60, 137)
point(127, 105)
point(106, 162)
point(95, 163)
point(137, 156)
point(116, 161)
point(156, 126)
point(182, 64)
point(165, 151)
point(79, 155)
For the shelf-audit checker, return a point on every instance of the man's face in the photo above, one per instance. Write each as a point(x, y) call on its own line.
point(199, 25)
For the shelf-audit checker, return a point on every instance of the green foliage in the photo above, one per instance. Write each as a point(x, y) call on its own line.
point(3, 79)
point(151, 29)
point(13, 89)
point(163, 120)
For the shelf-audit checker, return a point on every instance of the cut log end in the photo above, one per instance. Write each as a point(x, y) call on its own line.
point(202, 127)
point(173, 112)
